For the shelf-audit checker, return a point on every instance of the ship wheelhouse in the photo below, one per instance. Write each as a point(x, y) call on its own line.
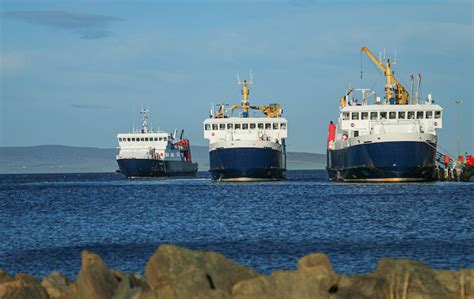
point(235, 128)
point(363, 120)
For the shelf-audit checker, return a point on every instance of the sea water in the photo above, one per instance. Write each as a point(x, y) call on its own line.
point(46, 220)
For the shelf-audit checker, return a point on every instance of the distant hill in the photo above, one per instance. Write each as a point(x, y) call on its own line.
point(64, 159)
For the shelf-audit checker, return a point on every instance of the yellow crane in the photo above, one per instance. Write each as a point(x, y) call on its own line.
point(393, 88)
point(271, 110)
point(343, 100)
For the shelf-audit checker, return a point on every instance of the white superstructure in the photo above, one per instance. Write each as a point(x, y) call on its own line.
point(148, 144)
point(380, 122)
point(245, 132)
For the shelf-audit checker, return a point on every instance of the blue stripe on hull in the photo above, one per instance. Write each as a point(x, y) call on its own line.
point(390, 161)
point(252, 163)
point(156, 168)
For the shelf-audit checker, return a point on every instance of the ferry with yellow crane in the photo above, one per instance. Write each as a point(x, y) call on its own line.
point(249, 146)
point(389, 140)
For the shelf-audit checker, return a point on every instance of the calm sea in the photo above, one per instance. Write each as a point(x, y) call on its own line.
point(46, 220)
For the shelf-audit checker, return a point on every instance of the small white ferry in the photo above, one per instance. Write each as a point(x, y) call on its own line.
point(389, 140)
point(247, 147)
point(148, 153)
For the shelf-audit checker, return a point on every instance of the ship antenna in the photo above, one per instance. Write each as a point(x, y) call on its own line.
point(133, 120)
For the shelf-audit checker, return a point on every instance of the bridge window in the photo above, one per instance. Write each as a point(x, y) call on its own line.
point(207, 127)
point(221, 126)
point(142, 139)
point(146, 138)
point(383, 115)
point(355, 115)
point(392, 115)
point(373, 115)
point(275, 126)
point(160, 139)
point(411, 114)
point(156, 138)
point(120, 139)
point(230, 126)
point(419, 115)
point(429, 114)
point(268, 126)
point(365, 115)
point(133, 139)
point(283, 126)
point(437, 114)
point(237, 126)
point(128, 139)
point(345, 115)
point(245, 126)
point(214, 127)
point(165, 138)
point(401, 114)
point(260, 126)
point(252, 126)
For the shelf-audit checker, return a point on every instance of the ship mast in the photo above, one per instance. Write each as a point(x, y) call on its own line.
point(144, 120)
point(245, 93)
point(271, 110)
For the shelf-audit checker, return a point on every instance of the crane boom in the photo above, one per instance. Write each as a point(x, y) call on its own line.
point(399, 94)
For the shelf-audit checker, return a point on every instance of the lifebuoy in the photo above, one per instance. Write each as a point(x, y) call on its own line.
point(344, 136)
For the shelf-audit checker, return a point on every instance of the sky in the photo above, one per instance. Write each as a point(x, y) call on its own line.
point(78, 72)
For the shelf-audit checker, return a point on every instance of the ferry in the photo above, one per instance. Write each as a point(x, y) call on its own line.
point(148, 153)
point(389, 140)
point(249, 146)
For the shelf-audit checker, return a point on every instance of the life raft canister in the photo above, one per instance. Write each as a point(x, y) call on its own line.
point(446, 160)
point(470, 160)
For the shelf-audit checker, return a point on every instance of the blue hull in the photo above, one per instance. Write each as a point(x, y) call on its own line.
point(247, 164)
point(156, 168)
point(383, 161)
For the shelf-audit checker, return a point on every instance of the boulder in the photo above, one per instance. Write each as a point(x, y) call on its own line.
point(56, 285)
point(95, 280)
point(409, 279)
point(23, 286)
point(358, 287)
point(4, 276)
point(314, 279)
point(130, 287)
point(284, 284)
point(459, 283)
point(182, 272)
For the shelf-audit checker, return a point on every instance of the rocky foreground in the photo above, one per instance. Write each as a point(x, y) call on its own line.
point(175, 272)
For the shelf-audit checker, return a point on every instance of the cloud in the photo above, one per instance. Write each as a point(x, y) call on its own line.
point(89, 106)
point(86, 25)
